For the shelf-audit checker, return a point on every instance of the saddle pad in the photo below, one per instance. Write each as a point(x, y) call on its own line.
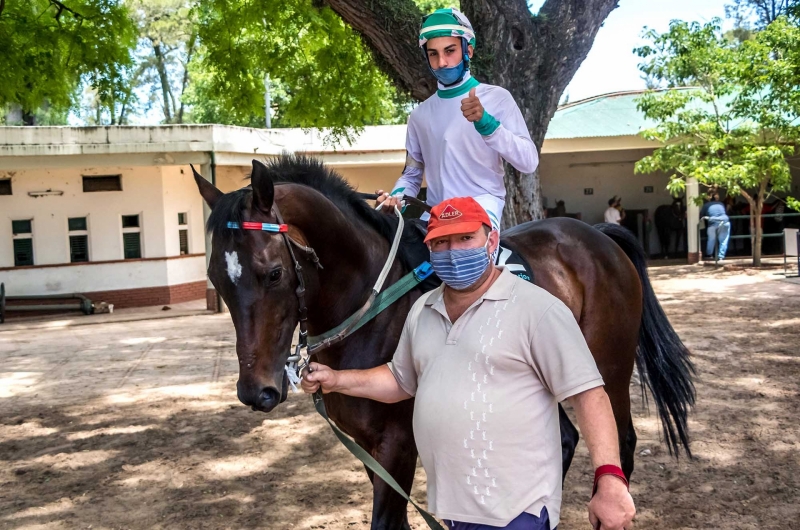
point(514, 263)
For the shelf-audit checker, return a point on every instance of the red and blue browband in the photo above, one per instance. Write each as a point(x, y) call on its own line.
point(266, 227)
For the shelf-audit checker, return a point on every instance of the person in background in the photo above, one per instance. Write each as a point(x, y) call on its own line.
point(718, 226)
point(614, 213)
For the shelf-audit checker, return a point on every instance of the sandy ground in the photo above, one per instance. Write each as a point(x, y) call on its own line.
point(136, 425)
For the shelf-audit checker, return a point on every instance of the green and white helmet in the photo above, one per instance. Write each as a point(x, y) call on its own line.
point(449, 22)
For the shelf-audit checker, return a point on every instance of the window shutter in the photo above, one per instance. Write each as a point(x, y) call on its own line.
point(183, 237)
point(78, 248)
point(132, 245)
point(130, 221)
point(76, 223)
point(102, 183)
point(23, 252)
point(21, 227)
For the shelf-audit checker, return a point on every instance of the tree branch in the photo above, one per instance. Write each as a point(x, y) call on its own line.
point(61, 8)
point(2, 6)
point(390, 29)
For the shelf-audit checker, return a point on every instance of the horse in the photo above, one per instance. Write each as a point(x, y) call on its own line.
point(670, 219)
point(331, 226)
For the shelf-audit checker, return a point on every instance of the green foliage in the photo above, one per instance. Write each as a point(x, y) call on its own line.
point(322, 74)
point(737, 124)
point(49, 47)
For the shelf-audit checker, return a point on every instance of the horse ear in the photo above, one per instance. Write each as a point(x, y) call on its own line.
point(263, 187)
point(209, 192)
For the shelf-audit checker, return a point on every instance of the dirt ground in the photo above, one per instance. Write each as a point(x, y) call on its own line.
point(136, 425)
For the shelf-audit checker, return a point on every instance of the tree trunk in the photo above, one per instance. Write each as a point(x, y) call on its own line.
point(162, 75)
point(533, 56)
point(759, 232)
point(189, 53)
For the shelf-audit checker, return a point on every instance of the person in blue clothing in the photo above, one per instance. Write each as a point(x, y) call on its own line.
point(718, 226)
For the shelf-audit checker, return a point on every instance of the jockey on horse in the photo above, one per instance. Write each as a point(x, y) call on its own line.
point(461, 134)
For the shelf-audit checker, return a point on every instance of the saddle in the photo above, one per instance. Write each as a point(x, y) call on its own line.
point(506, 255)
point(514, 262)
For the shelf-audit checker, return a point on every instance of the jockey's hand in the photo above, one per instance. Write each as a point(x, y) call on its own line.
point(318, 375)
point(471, 107)
point(388, 202)
point(612, 506)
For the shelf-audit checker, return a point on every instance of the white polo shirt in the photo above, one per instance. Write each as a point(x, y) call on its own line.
point(487, 389)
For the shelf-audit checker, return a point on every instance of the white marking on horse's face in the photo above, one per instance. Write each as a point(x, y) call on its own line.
point(234, 268)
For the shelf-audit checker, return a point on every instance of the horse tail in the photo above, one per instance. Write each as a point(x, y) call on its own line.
point(663, 360)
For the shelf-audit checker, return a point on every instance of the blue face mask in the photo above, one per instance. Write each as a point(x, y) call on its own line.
point(460, 268)
point(450, 75)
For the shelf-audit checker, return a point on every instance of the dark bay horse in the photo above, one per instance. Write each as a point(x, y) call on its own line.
point(670, 219)
point(601, 278)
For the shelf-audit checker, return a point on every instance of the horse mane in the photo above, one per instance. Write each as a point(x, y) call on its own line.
point(311, 172)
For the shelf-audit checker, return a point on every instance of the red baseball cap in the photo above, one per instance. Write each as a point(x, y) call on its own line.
point(459, 215)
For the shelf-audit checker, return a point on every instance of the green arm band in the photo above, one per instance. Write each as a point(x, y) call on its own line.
point(400, 190)
point(487, 125)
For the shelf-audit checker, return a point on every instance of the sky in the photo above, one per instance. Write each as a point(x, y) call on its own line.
point(611, 65)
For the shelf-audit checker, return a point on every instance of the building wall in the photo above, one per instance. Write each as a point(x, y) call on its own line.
point(608, 173)
point(369, 179)
point(156, 193)
point(232, 178)
point(181, 196)
point(142, 194)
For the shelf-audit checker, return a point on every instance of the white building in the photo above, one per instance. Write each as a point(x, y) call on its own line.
point(114, 213)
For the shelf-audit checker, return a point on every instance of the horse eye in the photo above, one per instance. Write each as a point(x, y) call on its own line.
point(275, 275)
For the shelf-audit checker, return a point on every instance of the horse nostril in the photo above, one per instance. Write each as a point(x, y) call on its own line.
point(269, 399)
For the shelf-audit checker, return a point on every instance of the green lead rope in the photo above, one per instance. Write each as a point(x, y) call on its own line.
point(371, 463)
point(381, 302)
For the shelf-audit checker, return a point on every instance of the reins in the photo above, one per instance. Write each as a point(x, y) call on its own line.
point(407, 198)
point(377, 302)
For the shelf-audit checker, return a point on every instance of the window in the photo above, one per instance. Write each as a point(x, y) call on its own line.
point(131, 237)
point(130, 221)
point(78, 239)
point(102, 183)
point(5, 186)
point(23, 242)
point(183, 233)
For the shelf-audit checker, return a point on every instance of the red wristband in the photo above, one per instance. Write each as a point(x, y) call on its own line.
point(609, 470)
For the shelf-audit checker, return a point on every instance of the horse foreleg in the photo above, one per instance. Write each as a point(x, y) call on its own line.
point(397, 453)
point(629, 450)
point(569, 441)
point(619, 395)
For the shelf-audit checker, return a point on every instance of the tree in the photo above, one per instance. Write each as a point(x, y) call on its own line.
point(533, 56)
point(321, 74)
point(760, 12)
point(735, 127)
point(168, 42)
point(50, 46)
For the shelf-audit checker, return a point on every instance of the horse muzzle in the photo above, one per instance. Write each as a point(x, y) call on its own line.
point(263, 398)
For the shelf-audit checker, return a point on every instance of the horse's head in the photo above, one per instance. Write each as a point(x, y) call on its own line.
point(253, 273)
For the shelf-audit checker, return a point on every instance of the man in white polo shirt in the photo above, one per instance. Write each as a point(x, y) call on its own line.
point(488, 357)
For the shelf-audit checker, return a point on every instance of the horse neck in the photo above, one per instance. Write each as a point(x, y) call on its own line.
point(351, 255)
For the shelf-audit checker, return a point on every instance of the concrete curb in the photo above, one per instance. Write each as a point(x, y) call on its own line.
point(90, 320)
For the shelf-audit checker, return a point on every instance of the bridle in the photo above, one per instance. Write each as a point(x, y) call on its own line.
point(376, 302)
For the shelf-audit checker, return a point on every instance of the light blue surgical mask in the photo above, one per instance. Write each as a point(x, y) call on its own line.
point(450, 75)
point(460, 269)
